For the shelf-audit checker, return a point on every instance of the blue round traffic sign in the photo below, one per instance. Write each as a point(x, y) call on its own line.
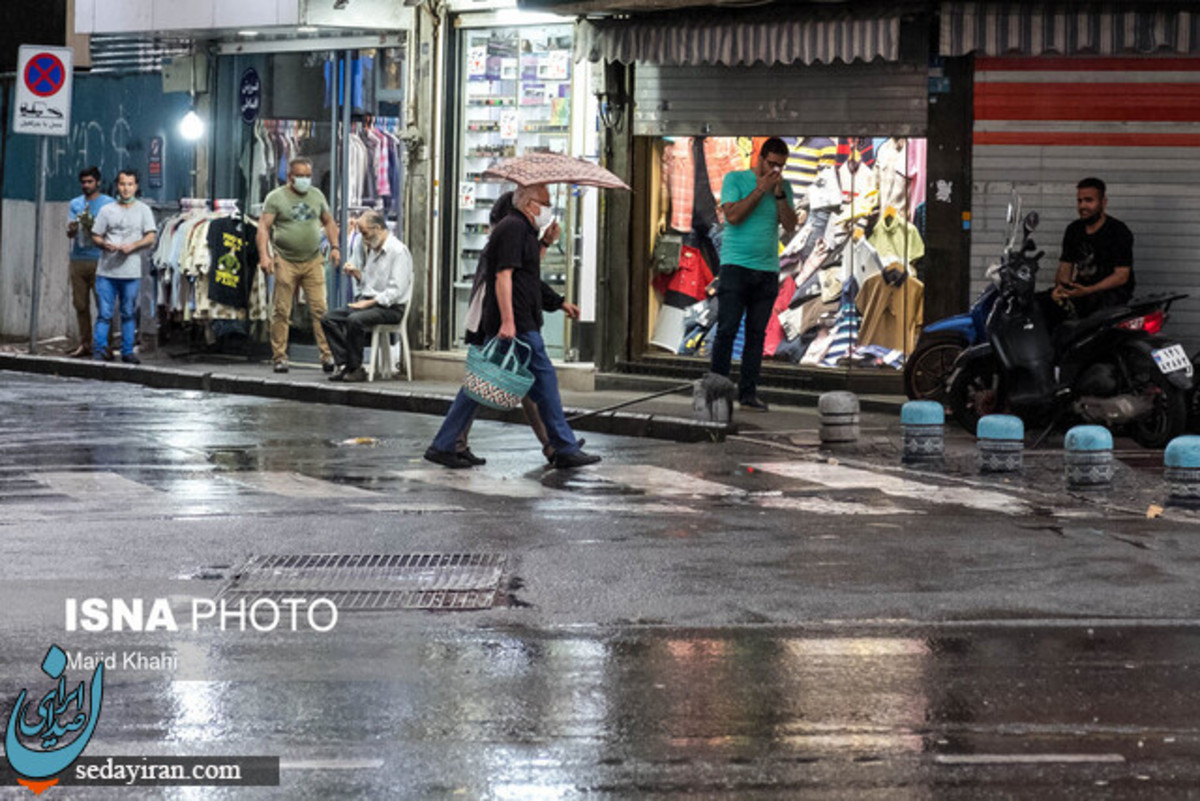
point(45, 74)
point(250, 95)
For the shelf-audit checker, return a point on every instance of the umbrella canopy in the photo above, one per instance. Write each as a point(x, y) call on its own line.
point(553, 168)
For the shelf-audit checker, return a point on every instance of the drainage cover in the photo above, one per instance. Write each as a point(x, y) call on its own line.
point(372, 581)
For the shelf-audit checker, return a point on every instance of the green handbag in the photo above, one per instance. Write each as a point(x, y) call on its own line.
point(498, 380)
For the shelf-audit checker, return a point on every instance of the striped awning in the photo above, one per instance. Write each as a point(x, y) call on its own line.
point(1068, 29)
point(731, 40)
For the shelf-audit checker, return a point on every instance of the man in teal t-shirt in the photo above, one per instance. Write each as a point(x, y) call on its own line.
point(755, 202)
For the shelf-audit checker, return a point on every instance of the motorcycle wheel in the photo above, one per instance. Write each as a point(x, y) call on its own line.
point(1170, 414)
point(927, 369)
point(977, 390)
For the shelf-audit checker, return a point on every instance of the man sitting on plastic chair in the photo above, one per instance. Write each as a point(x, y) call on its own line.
point(384, 271)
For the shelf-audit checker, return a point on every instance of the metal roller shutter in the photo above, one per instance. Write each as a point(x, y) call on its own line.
point(1043, 124)
point(875, 99)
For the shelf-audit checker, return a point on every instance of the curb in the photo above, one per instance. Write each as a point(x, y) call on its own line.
point(627, 424)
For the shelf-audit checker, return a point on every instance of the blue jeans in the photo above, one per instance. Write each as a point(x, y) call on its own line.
point(107, 292)
point(544, 393)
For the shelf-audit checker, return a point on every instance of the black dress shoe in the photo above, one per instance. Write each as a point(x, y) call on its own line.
point(569, 461)
point(328, 366)
point(337, 373)
point(447, 459)
point(130, 358)
point(754, 403)
point(548, 452)
point(475, 461)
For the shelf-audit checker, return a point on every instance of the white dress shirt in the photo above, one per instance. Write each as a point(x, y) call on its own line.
point(387, 272)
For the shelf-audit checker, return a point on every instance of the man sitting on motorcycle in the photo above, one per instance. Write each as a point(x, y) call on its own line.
point(1095, 270)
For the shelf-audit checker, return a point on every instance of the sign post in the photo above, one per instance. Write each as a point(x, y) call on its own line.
point(42, 108)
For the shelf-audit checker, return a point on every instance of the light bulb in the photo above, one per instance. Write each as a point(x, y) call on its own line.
point(191, 127)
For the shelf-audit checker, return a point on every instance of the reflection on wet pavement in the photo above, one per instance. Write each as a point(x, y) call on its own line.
point(496, 712)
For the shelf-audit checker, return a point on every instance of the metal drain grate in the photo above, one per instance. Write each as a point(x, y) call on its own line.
point(373, 581)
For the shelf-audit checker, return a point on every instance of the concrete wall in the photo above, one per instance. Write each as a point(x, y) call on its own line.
point(56, 317)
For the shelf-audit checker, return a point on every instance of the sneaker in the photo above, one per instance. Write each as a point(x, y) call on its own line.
point(753, 403)
point(281, 367)
point(357, 374)
point(328, 366)
point(338, 373)
point(475, 461)
point(569, 461)
point(130, 358)
point(449, 459)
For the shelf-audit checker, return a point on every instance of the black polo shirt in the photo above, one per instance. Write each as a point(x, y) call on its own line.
point(513, 245)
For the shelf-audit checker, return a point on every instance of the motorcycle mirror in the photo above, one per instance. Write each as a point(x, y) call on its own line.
point(1031, 221)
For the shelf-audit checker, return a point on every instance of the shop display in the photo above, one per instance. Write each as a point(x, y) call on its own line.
point(516, 99)
point(850, 290)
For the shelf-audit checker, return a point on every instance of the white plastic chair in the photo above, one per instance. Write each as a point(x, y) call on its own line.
point(381, 360)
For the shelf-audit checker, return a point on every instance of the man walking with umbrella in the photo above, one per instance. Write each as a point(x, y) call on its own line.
point(513, 310)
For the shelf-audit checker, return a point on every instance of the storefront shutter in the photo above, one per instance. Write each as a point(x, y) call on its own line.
point(861, 99)
point(1043, 124)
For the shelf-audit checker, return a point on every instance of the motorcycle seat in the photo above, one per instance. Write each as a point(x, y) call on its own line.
point(1074, 330)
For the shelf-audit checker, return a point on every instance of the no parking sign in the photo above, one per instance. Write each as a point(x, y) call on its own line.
point(43, 104)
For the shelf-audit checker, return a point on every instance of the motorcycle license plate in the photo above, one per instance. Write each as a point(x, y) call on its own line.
point(1171, 359)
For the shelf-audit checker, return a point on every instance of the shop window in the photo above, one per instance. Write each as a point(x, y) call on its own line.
point(519, 94)
point(851, 288)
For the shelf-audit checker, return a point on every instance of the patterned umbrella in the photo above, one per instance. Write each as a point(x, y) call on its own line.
point(553, 168)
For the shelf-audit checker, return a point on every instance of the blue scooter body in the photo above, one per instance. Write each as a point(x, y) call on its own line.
point(972, 323)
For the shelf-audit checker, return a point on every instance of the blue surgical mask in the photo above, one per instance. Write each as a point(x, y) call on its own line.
point(302, 184)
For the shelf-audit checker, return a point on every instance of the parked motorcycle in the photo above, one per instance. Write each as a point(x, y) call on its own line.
point(1111, 368)
point(928, 367)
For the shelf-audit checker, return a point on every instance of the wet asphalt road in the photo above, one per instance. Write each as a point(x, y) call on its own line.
point(695, 621)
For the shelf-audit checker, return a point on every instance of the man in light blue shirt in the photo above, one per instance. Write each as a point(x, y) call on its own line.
point(755, 203)
point(81, 214)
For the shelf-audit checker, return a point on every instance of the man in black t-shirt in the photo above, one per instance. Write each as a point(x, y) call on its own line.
point(513, 310)
point(1095, 270)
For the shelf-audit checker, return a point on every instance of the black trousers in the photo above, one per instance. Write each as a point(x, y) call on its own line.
point(753, 292)
point(346, 330)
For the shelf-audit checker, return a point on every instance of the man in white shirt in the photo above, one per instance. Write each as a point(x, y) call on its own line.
point(384, 272)
point(123, 231)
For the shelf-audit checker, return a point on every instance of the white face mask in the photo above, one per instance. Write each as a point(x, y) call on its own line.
point(544, 217)
point(302, 184)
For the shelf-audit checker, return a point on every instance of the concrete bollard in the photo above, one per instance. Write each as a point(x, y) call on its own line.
point(1089, 459)
point(923, 424)
point(1181, 461)
point(712, 399)
point(1001, 443)
point(839, 417)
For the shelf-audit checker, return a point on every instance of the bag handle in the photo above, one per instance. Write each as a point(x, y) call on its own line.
point(511, 357)
point(493, 344)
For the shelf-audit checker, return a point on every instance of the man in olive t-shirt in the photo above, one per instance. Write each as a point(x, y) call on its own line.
point(292, 219)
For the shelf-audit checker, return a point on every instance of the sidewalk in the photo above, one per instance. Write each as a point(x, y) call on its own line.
point(667, 417)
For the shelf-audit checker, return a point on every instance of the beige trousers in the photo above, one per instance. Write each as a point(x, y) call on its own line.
point(309, 276)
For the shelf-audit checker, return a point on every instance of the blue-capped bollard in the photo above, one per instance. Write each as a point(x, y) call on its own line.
point(1089, 457)
point(924, 426)
point(839, 417)
point(1001, 443)
point(1181, 461)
